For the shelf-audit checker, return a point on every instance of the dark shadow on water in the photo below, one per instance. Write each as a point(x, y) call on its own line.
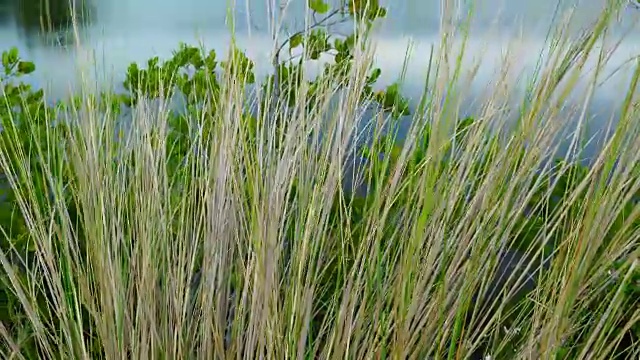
point(46, 22)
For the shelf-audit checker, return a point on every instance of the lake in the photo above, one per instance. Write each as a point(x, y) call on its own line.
point(117, 32)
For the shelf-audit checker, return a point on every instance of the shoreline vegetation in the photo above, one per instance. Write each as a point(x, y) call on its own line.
point(244, 225)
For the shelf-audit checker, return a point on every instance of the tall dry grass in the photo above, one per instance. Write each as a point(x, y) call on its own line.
point(254, 249)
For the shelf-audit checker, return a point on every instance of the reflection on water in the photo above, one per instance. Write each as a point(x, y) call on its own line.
point(38, 22)
point(45, 22)
point(115, 33)
point(118, 32)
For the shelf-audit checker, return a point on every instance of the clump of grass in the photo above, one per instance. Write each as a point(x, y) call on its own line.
point(221, 233)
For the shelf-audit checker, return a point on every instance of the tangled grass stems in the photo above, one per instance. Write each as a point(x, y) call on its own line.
point(251, 247)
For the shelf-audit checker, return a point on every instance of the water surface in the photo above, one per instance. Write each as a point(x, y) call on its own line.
point(115, 33)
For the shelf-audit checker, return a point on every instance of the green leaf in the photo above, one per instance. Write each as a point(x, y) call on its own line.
point(318, 6)
point(5, 61)
point(295, 41)
point(26, 67)
point(374, 76)
point(13, 55)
